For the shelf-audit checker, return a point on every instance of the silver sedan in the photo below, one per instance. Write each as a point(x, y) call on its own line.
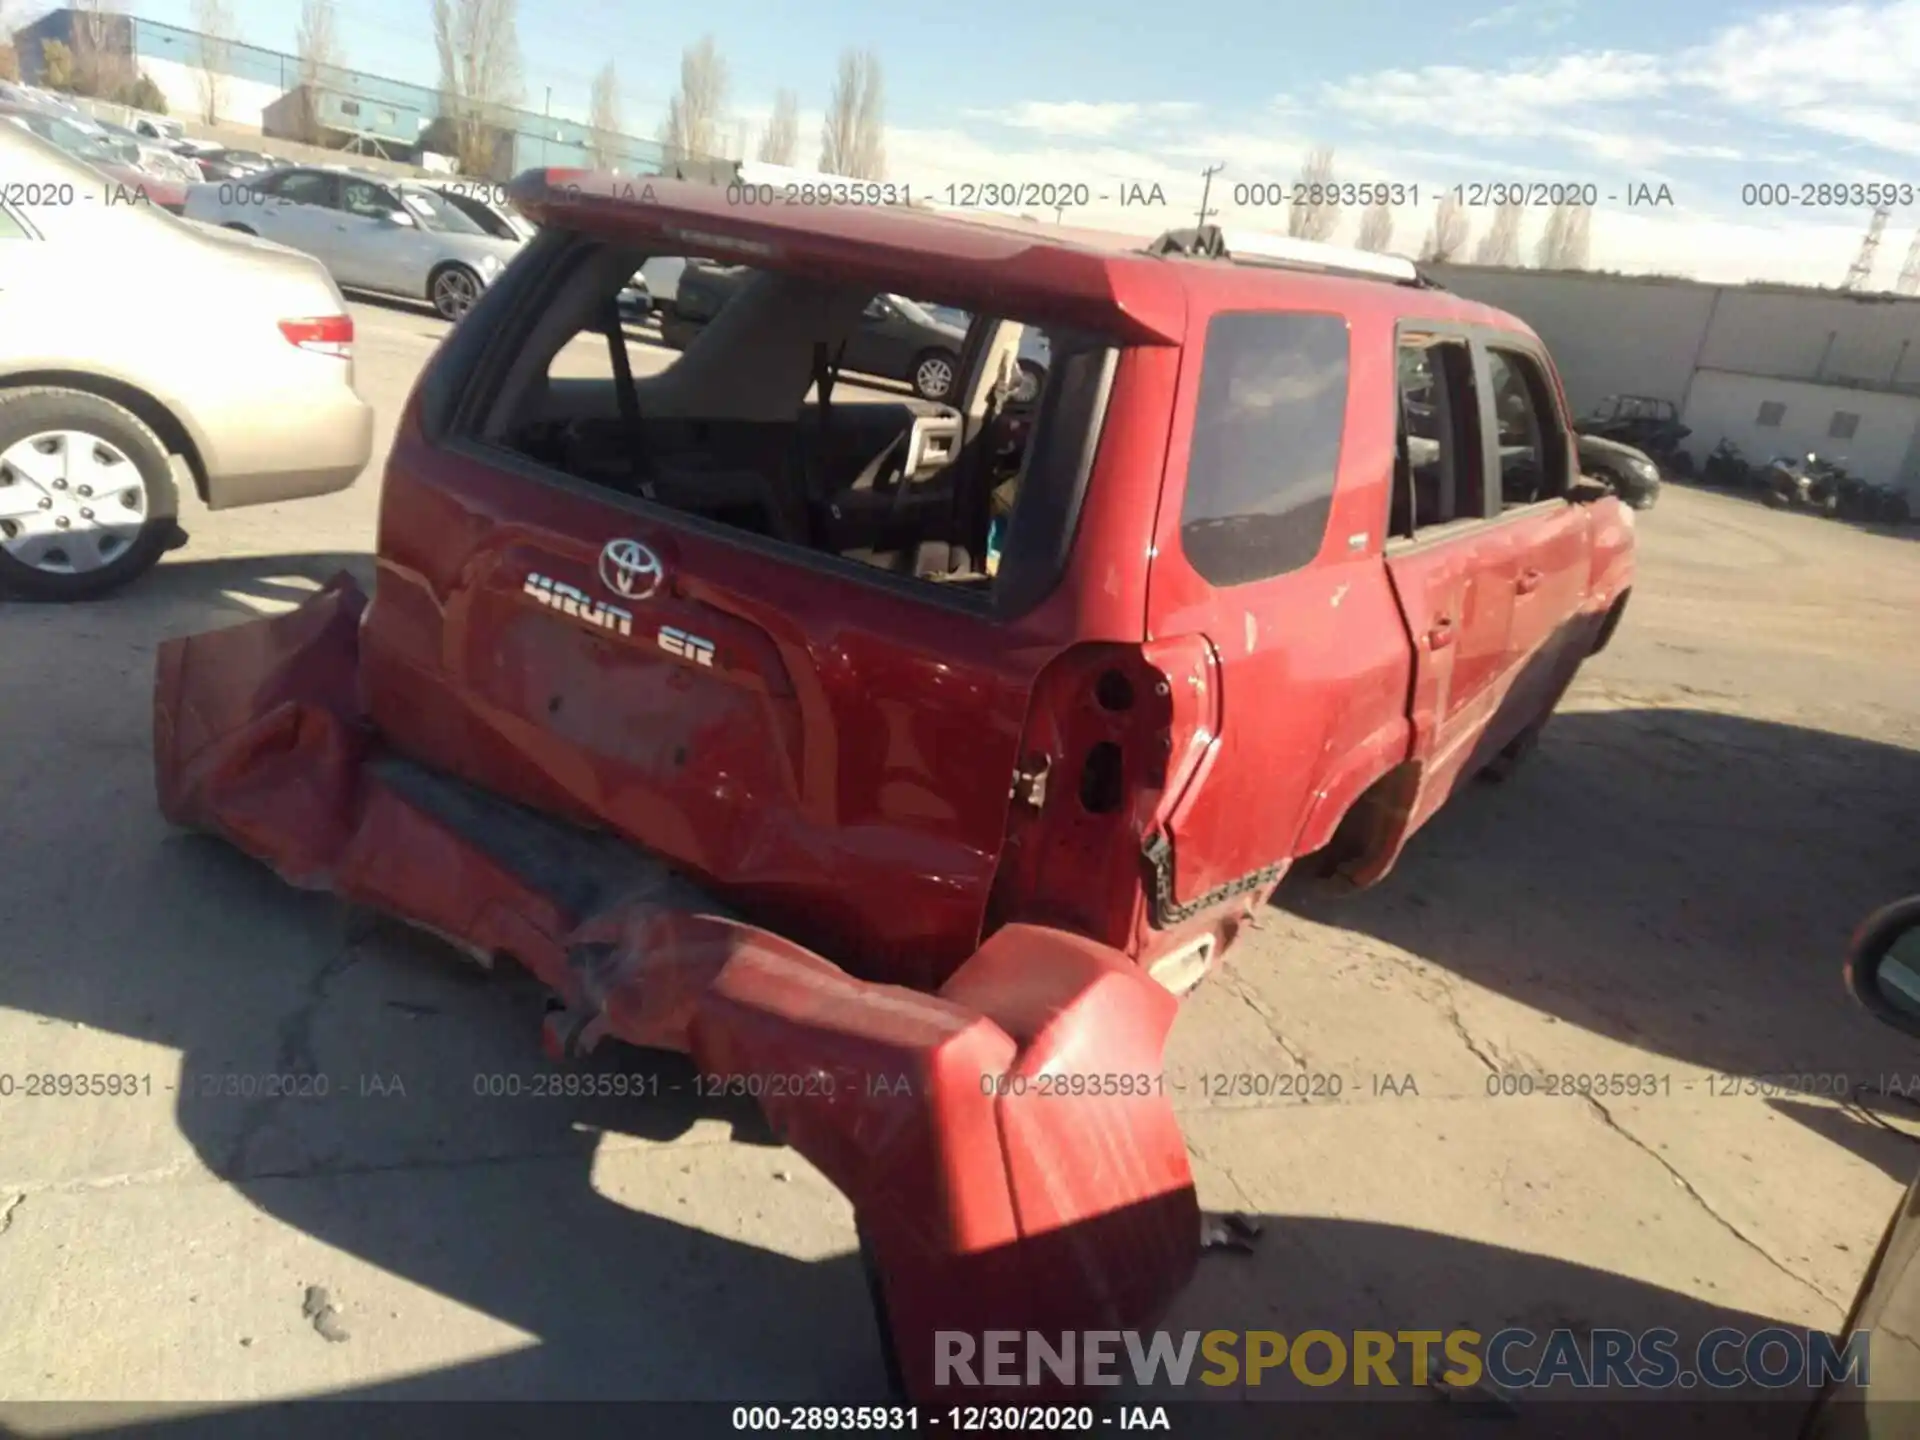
point(392, 237)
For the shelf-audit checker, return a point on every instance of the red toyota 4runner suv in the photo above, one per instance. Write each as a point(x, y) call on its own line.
point(824, 733)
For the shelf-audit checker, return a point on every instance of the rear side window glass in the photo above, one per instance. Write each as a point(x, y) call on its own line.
point(1266, 444)
point(1532, 449)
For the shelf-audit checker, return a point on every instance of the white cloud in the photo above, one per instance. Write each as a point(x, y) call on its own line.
point(1542, 16)
point(1083, 118)
point(1816, 94)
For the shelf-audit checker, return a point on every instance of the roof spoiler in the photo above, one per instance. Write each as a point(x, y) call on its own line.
point(1249, 247)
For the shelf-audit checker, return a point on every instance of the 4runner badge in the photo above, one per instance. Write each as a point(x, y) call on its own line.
point(629, 568)
point(577, 603)
point(687, 647)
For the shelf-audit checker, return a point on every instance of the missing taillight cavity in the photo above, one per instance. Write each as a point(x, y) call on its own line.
point(1102, 779)
point(1113, 691)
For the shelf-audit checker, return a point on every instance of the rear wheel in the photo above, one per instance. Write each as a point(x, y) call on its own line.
point(933, 372)
point(453, 289)
point(86, 495)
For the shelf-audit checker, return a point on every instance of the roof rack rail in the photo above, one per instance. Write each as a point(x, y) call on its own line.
point(1254, 247)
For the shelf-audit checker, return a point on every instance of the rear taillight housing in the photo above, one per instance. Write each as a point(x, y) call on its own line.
point(324, 335)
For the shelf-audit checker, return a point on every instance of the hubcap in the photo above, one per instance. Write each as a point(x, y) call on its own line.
point(933, 377)
point(70, 502)
point(454, 293)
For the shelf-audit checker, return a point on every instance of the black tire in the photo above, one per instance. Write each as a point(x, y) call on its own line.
point(444, 281)
point(928, 358)
point(243, 229)
point(33, 411)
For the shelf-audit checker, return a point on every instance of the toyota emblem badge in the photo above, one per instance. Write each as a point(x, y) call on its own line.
point(629, 568)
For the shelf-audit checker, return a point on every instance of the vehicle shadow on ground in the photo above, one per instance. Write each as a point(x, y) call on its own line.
point(1682, 880)
point(621, 1258)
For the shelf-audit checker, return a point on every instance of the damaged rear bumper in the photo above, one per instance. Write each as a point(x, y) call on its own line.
point(984, 1201)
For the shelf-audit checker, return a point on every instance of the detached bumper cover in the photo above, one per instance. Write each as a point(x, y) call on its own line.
point(983, 1202)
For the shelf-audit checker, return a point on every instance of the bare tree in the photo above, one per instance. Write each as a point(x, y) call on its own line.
point(1567, 239)
point(478, 42)
point(692, 128)
point(1315, 212)
point(1501, 244)
point(780, 141)
point(1376, 227)
point(853, 137)
point(603, 118)
point(1448, 237)
point(56, 66)
point(101, 46)
point(318, 43)
point(9, 62)
point(214, 20)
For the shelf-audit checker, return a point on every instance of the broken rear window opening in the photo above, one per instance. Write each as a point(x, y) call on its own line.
point(915, 444)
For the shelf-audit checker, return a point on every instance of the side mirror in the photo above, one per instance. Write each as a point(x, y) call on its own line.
point(398, 217)
point(1883, 964)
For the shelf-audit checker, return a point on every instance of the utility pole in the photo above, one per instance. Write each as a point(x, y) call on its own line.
point(1206, 190)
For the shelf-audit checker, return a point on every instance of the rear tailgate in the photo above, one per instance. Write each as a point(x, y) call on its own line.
point(831, 752)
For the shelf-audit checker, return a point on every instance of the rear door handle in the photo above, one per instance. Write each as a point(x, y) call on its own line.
point(1441, 635)
point(1528, 582)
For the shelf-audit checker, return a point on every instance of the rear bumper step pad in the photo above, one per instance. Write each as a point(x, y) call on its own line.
point(982, 1202)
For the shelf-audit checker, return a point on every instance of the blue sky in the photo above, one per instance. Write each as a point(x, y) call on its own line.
point(1702, 98)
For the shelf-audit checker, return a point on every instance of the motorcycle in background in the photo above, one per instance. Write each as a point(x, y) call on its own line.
point(1810, 483)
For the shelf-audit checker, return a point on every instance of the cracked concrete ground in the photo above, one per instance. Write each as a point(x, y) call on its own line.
point(1662, 892)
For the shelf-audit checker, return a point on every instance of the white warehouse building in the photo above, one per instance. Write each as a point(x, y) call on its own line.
point(1777, 369)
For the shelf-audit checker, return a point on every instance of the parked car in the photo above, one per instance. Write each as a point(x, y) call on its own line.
point(161, 128)
point(234, 374)
point(635, 300)
point(1632, 473)
point(393, 237)
point(1883, 972)
point(481, 203)
point(820, 797)
point(155, 157)
point(897, 338)
point(224, 163)
point(84, 142)
point(1645, 422)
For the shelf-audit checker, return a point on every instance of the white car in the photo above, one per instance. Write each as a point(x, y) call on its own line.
point(372, 232)
point(233, 378)
point(485, 205)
